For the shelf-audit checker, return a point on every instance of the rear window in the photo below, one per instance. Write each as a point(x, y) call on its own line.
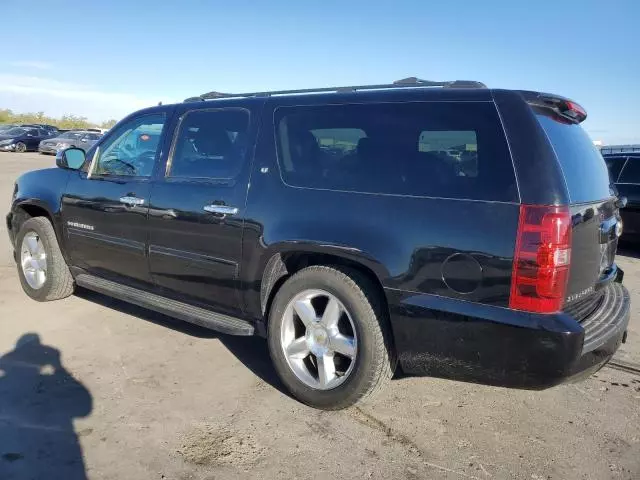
point(614, 164)
point(432, 149)
point(631, 171)
point(584, 169)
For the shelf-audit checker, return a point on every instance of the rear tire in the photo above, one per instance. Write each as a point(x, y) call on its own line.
point(21, 147)
point(57, 282)
point(373, 356)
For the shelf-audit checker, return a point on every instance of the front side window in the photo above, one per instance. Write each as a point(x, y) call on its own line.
point(131, 150)
point(210, 144)
point(432, 149)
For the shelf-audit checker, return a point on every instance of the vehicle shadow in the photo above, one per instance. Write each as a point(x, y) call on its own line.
point(251, 351)
point(39, 399)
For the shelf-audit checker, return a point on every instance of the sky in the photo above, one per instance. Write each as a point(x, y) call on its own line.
point(104, 60)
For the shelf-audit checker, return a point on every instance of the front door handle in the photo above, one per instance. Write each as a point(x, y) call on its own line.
point(132, 201)
point(221, 209)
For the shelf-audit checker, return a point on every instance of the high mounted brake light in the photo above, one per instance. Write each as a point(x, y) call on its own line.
point(564, 108)
point(541, 260)
point(575, 111)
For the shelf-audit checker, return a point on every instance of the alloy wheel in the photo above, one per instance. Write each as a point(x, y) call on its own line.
point(33, 260)
point(319, 340)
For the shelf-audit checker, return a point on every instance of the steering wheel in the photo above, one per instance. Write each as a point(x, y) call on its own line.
point(145, 161)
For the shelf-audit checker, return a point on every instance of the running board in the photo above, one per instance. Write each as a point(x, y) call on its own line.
point(173, 308)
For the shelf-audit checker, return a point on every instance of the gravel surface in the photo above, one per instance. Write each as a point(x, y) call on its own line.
point(102, 389)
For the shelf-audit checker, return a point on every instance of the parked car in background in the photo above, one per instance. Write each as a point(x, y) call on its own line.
point(97, 129)
point(7, 126)
point(22, 139)
point(624, 172)
point(49, 128)
point(75, 138)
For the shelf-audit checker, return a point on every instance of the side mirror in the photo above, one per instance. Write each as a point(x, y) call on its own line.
point(70, 158)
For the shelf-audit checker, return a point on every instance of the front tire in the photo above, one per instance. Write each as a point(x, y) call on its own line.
point(43, 272)
point(21, 147)
point(329, 337)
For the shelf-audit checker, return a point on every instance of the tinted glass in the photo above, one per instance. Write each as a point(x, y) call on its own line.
point(631, 171)
point(440, 149)
point(70, 135)
point(132, 149)
point(584, 169)
point(614, 164)
point(210, 144)
point(15, 131)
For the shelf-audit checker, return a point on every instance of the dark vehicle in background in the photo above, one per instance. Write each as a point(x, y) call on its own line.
point(624, 171)
point(49, 128)
point(22, 139)
point(7, 126)
point(71, 139)
point(455, 230)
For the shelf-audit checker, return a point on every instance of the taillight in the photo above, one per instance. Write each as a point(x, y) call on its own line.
point(541, 260)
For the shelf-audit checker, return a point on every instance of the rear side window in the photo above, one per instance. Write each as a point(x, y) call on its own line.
point(584, 169)
point(631, 172)
point(433, 149)
point(614, 164)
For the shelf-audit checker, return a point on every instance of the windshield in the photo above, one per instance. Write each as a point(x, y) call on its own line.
point(15, 131)
point(584, 169)
point(71, 135)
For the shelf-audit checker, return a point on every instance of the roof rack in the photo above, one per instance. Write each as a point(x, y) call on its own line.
point(410, 82)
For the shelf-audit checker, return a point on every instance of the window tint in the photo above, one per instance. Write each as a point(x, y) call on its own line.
point(92, 136)
point(338, 141)
point(631, 171)
point(614, 164)
point(443, 149)
point(132, 149)
point(582, 164)
point(210, 144)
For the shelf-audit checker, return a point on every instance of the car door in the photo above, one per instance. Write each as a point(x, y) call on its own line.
point(88, 139)
point(105, 209)
point(32, 138)
point(197, 206)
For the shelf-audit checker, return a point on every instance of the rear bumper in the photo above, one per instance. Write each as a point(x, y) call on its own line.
point(449, 338)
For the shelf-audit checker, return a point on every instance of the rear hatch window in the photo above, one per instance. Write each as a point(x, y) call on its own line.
point(584, 169)
point(593, 212)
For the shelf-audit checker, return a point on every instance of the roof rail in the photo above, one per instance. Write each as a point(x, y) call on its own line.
point(410, 82)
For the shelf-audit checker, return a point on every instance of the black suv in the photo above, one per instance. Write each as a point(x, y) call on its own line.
point(456, 230)
point(624, 170)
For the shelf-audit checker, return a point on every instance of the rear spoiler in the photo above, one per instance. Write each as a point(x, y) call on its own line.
point(567, 109)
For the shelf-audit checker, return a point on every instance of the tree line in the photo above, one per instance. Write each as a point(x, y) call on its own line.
point(64, 122)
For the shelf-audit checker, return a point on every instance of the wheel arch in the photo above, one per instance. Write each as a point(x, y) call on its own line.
point(32, 208)
point(289, 259)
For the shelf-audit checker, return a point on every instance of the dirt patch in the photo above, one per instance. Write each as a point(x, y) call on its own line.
point(214, 445)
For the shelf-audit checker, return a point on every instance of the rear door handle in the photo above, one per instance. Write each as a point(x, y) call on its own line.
point(221, 209)
point(132, 201)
